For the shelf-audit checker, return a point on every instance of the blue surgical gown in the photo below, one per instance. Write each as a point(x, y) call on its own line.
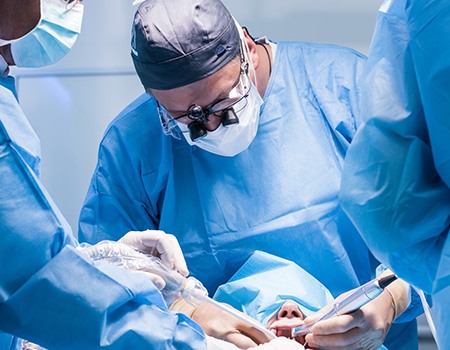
point(279, 196)
point(50, 293)
point(397, 175)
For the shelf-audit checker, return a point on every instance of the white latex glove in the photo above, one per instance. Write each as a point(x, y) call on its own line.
point(137, 252)
point(280, 343)
point(160, 244)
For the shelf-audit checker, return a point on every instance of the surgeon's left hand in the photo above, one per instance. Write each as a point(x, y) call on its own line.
point(160, 244)
point(365, 328)
point(221, 325)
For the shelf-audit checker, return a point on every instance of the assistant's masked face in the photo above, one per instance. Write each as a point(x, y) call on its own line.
point(52, 38)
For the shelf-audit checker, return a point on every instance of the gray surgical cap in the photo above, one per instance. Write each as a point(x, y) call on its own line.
point(178, 42)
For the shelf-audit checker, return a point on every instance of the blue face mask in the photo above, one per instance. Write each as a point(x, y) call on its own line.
point(52, 38)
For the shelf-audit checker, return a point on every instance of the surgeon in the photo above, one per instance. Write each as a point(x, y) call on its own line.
point(396, 182)
point(236, 146)
point(51, 293)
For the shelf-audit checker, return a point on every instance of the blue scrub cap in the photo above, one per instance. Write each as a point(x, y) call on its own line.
point(265, 282)
point(178, 42)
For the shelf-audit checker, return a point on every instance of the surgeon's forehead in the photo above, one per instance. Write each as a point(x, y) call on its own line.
point(203, 92)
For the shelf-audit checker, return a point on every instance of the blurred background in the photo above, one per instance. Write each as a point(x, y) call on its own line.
point(71, 103)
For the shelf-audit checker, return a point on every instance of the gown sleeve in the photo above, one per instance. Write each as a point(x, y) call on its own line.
point(394, 186)
point(50, 293)
point(128, 183)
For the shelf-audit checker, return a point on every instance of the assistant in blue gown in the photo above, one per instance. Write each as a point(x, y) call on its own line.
point(52, 294)
point(279, 196)
point(397, 173)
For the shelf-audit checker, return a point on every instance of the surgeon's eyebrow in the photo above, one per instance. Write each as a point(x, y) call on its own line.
point(222, 96)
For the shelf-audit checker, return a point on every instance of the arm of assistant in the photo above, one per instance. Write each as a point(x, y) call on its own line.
point(398, 200)
point(53, 295)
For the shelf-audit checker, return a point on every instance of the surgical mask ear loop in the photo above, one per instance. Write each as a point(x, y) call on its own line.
point(428, 313)
point(246, 56)
point(229, 116)
point(263, 46)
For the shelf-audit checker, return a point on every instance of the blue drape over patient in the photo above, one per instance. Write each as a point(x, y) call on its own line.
point(397, 174)
point(279, 196)
point(261, 286)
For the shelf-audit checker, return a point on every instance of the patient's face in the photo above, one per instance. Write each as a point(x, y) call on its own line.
point(287, 317)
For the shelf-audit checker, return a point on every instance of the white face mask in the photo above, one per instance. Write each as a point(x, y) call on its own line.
point(231, 140)
point(53, 37)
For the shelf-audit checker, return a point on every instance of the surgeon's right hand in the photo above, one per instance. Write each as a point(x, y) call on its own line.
point(160, 244)
point(221, 325)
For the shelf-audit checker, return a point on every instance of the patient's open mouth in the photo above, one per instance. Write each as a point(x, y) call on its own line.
point(283, 327)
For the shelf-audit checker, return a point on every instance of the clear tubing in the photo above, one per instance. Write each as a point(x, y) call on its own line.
point(177, 286)
point(125, 256)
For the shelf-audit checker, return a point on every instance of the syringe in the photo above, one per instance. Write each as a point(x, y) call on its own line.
point(177, 286)
point(353, 302)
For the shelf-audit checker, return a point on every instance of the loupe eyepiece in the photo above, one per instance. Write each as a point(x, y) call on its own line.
point(196, 131)
point(196, 112)
point(229, 117)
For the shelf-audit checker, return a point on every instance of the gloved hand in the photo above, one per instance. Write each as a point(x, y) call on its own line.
point(280, 343)
point(160, 244)
point(221, 325)
point(141, 252)
point(365, 328)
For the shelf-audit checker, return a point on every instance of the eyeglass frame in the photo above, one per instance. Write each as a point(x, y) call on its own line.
point(203, 118)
